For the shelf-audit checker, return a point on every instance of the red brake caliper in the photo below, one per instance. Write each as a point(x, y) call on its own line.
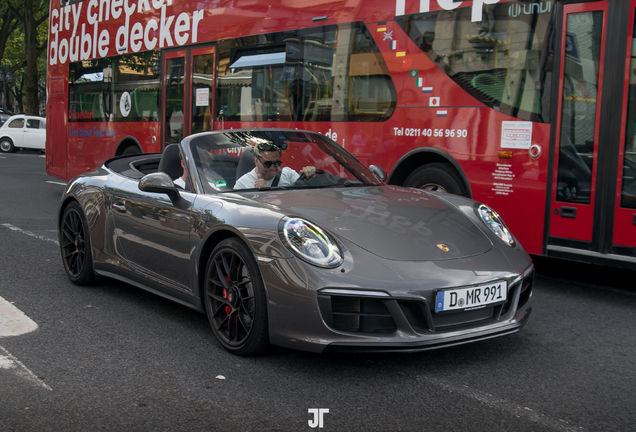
point(228, 308)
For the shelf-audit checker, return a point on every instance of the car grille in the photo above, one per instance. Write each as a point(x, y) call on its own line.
point(376, 315)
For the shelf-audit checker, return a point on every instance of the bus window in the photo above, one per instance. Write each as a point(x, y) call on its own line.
point(93, 83)
point(290, 76)
point(138, 76)
point(89, 90)
point(579, 109)
point(628, 191)
point(174, 111)
point(501, 60)
point(202, 79)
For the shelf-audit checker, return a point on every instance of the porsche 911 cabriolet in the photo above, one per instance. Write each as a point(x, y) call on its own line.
point(281, 237)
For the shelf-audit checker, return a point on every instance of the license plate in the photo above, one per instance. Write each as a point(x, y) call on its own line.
point(471, 298)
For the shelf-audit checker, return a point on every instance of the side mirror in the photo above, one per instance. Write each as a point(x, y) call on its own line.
point(378, 172)
point(159, 182)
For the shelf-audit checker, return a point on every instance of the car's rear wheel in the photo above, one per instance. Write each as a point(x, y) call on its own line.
point(6, 146)
point(436, 177)
point(75, 246)
point(235, 299)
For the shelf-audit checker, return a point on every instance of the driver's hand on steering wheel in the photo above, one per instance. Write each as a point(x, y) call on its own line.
point(308, 172)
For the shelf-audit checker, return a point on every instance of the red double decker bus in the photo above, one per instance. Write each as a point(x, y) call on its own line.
point(529, 106)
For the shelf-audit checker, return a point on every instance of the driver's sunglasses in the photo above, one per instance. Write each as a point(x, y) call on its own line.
point(268, 164)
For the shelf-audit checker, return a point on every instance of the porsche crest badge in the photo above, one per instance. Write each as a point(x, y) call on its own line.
point(443, 247)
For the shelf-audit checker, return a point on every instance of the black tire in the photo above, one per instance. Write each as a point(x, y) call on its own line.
point(132, 150)
point(234, 299)
point(6, 146)
point(436, 177)
point(75, 245)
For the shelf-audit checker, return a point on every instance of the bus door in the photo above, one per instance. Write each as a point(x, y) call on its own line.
point(624, 236)
point(577, 126)
point(188, 93)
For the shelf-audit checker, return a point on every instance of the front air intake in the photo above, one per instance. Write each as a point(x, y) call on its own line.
point(356, 314)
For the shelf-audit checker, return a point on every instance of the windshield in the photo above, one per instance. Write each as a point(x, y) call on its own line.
point(282, 159)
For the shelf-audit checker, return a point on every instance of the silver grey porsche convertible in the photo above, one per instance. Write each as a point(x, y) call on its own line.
point(281, 237)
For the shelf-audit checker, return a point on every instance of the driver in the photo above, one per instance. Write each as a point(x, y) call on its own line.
point(267, 158)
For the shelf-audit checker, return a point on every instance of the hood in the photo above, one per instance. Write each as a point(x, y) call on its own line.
point(391, 222)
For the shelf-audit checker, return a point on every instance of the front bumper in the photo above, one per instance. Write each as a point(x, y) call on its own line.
point(308, 312)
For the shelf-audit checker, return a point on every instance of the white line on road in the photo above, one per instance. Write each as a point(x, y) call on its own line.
point(29, 233)
point(13, 322)
point(57, 183)
point(9, 362)
point(503, 405)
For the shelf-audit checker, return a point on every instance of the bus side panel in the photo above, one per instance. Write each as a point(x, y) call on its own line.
point(56, 149)
point(56, 116)
point(91, 143)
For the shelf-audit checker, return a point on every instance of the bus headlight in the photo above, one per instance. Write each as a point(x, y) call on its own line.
point(495, 223)
point(310, 243)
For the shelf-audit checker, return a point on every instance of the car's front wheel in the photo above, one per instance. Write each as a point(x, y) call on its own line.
point(6, 146)
point(75, 246)
point(235, 299)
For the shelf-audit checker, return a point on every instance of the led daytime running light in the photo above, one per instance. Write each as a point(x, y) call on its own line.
point(311, 243)
point(495, 223)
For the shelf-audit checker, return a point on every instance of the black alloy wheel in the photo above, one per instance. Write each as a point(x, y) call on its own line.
point(75, 246)
point(235, 299)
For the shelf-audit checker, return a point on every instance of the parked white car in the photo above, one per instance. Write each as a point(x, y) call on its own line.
point(23, 131)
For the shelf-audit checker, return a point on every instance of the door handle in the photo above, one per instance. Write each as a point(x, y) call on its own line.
point(119, 207)
point(568, 212)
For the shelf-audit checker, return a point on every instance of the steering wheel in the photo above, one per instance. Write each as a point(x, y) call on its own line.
point(303, 177)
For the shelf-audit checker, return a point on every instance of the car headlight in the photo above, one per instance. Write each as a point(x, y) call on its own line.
point(310, 243)
point(495, 223)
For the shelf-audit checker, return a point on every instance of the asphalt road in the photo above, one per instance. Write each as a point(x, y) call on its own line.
point(114, 358)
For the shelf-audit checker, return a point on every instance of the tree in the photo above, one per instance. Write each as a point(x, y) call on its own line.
point(33, 15)
point(8, 23)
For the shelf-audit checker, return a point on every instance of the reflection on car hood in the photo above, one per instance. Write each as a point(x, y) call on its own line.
point(391, 222)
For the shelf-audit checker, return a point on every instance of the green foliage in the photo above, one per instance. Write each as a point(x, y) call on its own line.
point(15, 52)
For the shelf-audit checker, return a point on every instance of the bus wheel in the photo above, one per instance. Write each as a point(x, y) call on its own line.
point(6, 146)
point(436, 177)
point(132, 150)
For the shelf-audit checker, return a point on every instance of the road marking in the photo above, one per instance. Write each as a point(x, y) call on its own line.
point(503, 405)
point(57, 183)
point(29, 233)
point(9, 362)
point(13, 321)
